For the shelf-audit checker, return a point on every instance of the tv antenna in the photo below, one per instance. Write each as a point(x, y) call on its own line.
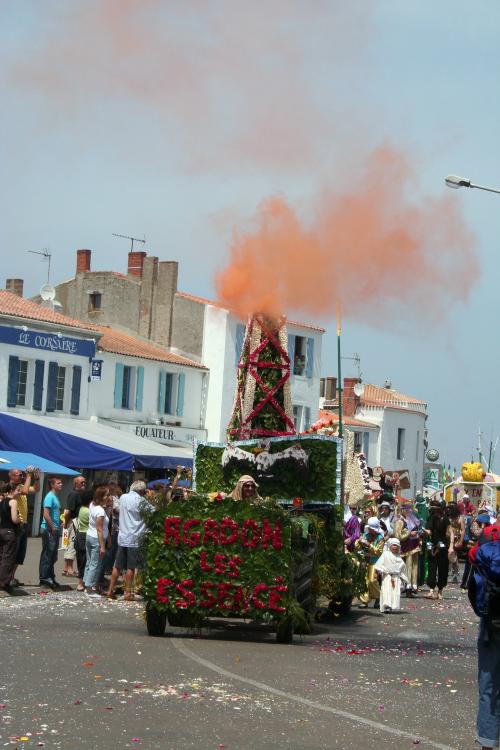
point(132, 239)
point(47, 255)
point(356, 358)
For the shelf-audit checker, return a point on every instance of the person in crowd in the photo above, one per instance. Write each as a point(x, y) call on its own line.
point(51, 532)
point(81, 525)
point(371, 545)
point(132, 527)
point(386, 518)
point(72, 507)
point(475, 530)
point(422, 513)
point(440, 540)
point(488, 647)
point(465, 506)
point(115, 492)
point(29, 482)
point(457, 522)
point(407, 530)
point(352, 528)
point(487, 508)
point(97, 539)
point(246, 489)
point(9, 523)
point(392, 568)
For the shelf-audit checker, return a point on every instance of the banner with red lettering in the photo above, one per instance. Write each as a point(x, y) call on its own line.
point(227, 558)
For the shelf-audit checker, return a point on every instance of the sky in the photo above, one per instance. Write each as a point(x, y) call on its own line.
point(287, 153)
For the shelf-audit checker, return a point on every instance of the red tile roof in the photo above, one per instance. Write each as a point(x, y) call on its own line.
point(377, 395)
point(327, 417)
point(19, 307)
point(213, 303)
point(116, 342)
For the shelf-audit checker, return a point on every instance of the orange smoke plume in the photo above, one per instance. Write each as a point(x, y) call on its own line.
point(373, 249)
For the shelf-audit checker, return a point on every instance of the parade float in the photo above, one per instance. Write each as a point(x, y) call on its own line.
point(266, 558)
point(482, 486)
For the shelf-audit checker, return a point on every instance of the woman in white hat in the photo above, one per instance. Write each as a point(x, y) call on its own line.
point(371, 545)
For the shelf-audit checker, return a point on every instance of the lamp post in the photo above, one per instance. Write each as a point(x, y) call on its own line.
point(452, 181)
point(339, 373)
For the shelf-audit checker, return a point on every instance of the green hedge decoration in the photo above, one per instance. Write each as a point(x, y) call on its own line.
point(317, 482)
point(181, 562)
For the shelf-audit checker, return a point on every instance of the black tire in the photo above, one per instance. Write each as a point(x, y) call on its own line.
point(284, 631)
point(156, 622)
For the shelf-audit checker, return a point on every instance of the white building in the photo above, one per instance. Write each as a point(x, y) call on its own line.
point(389, 427)
point(215, 335)
point(53, 366)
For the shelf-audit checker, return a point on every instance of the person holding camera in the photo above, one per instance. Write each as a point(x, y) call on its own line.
point(28, 482)
point(9, 524)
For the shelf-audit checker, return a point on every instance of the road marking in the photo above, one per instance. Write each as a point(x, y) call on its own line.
point(180, 646)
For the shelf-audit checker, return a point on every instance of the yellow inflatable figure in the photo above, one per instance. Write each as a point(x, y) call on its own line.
point(473, 472)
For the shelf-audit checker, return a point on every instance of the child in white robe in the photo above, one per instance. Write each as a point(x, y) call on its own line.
point(393, 570)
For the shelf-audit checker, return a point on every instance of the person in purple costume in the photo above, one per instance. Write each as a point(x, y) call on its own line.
point(352, 529)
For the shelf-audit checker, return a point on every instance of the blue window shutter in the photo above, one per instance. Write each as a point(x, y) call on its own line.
point(75, 389)
point(161, 392)
point(307, 417)
point(238, 343)
point(51, 387)
point(291, 349)
point(118, 385)
point(180, 394)
point(169, 382)
point(139, 389)
point(38, 384)
point(310, 358)
point(12, 385)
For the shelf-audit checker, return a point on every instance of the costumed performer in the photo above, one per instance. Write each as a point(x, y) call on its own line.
point(371, 545)
point(352, 527)
point(407, 530)
point(393, 570)
point(246, 489)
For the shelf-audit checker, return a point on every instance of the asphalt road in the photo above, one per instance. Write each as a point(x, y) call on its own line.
point(82, 673)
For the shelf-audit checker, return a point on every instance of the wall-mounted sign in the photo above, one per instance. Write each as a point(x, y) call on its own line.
point(162, 433)
point(96, 369)
point(432, 455)
point(53, 342)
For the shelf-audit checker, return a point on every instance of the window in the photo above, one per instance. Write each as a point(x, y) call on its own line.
point(366, 443)
point(126, 382)
point(297, 414)
point(301, 353)
point(401, 444)
point(60, 380)
point(95, 299)
point(22, 379)
point(167, 404)
point(307, 417)
point(299, 357)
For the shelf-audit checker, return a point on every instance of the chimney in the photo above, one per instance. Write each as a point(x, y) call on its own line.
point(331, 389)
point(83, 260)
point(349, 398)
point(15, 286)
point(136, 262)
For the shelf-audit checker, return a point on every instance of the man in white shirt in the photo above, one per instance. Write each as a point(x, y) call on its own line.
point(132, 527)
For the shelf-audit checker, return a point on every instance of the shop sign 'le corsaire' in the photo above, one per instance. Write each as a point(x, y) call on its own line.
point(54, 342)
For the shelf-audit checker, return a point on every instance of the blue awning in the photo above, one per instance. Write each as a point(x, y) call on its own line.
point(87, 444)
point(22, 460)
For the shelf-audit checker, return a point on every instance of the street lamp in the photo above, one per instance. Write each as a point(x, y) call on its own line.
point(452, 181)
